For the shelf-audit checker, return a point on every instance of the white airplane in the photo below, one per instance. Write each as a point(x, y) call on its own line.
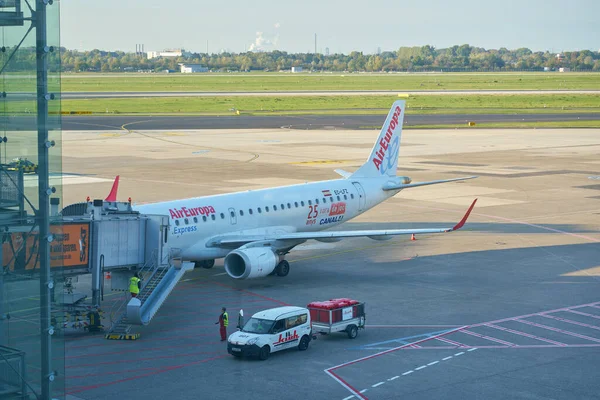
point(254, 230)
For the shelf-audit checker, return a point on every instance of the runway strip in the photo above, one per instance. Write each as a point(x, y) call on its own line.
point(306, 122)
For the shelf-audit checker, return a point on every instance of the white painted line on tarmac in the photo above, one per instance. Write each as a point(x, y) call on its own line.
point(344, 384)
point(411, 371)
point(222, 273)
point(329, 371)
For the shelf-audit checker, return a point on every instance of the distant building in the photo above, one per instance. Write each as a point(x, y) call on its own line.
point(192, 68)
point(564, 70)
point(296, 69)
point(167, 53)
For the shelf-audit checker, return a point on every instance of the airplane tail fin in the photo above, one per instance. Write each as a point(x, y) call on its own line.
point(112, 196)
point(383, 160)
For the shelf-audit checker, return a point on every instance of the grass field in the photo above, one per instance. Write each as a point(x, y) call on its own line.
point(516, 125)
point(273, 105)
point(242, 82)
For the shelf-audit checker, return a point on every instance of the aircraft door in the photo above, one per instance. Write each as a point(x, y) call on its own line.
point(232, 216)
point(362, 198)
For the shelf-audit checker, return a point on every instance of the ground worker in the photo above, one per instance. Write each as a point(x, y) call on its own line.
point(134, 285)
point(240, 323)
point(223, 322)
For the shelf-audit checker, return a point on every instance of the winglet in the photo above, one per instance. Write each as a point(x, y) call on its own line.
point(112, 196)
point(466, 216)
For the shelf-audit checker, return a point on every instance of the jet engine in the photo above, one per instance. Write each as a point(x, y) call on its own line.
point(249, 263)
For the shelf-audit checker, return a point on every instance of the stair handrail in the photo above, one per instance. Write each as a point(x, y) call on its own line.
point(150, 264)
point(112, 312)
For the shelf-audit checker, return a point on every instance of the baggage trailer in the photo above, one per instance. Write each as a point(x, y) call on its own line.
point(337, 315)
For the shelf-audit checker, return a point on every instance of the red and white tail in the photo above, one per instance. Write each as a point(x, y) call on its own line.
point(383, 160)
point(112, 196)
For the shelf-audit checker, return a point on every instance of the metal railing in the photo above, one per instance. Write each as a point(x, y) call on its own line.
point(149, 268)
point(12, 373)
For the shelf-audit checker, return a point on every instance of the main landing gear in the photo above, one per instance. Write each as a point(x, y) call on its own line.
point(204, 264)
point(282, 269)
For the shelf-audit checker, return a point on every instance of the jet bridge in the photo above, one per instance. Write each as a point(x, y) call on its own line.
point(122, 242)
point(102, 239)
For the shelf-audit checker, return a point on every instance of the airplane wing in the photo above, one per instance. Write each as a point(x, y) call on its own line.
point(393, 186)
point(240, 240)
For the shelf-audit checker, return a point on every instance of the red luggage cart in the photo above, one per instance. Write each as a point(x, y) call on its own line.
point(337, 315)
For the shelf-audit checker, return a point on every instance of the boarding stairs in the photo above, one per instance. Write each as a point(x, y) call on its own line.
point(162, 278)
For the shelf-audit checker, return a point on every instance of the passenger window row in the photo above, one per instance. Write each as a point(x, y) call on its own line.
point(259, 209)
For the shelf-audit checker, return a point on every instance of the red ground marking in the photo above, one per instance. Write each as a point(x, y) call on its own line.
point(457, 344)
point(142, 359)
point(558, 330)
point(585, 314)
point(533, 314)
point(137, 349)
point(252, 294)
point(509, 344)
point(111, 373)
point(525, 334)
point(80, 389)
point(569, 321)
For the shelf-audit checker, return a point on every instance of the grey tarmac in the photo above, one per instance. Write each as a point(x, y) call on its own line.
point(508, 307)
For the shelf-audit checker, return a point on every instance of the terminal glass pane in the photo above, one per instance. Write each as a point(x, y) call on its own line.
point(24, 360)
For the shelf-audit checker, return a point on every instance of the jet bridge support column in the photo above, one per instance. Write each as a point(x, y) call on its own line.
point(97, 282)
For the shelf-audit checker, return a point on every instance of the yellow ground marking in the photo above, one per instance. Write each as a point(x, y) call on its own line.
point(318, 162)
point(174, 134)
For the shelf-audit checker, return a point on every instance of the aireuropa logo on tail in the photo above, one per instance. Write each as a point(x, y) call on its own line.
point(387, 154)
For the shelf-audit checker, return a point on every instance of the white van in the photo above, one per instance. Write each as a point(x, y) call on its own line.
point(272, 330)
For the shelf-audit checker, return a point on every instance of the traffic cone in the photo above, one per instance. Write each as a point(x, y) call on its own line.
point(412, 237)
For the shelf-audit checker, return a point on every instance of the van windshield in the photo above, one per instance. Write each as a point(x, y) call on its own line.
point(257, 325)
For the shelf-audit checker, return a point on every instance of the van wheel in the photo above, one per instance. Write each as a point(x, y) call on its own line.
point(264, 353)
point(352, 331)
point(304, 343)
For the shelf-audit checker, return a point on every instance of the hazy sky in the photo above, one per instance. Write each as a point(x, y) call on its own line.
point(342, 26)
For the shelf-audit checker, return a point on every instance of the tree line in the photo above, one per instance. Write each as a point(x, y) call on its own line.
point(424, 58)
